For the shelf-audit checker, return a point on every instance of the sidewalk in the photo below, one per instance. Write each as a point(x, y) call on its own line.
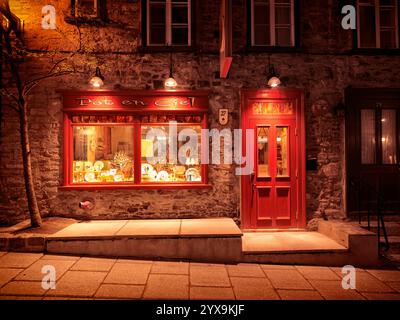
point(94, 278)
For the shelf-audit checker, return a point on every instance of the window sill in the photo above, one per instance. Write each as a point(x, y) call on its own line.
point(262, 49)
point(154, 49)
point(144, 186)
point(373, 52)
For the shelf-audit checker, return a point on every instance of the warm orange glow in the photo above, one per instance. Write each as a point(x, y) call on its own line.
point(170, 83)
point(274, 82)
point(96, 82)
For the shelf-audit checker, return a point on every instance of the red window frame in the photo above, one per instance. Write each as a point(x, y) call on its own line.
point(137, 104)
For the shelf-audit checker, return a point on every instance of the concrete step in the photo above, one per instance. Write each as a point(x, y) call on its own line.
point(394, 241)
point(217, 240)
point(392, 228)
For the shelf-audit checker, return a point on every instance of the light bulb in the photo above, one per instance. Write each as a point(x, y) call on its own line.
point(96, 82)
point(274, 82)
point(170, 83)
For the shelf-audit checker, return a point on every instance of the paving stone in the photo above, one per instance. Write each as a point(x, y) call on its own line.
point(34, 272)
point(128, 273)
point(23, 288)
point(394, 285)
point(317, 273)
point(386, 275)
point(245, 270)
point(276, 267)
point(21, 298)
point(333, 290)
point(211, 293)
point(299, 295)
point(122, 260)
point(253, 289)
point(93, 264)
point(59, 257)
point(209, 276)
point(287, 279)
point(170, 268)
point(167, 287)
point(6, 275)
point(78, 284)
point(18, 260)
point(365, 282)
point(382, 296)
point(118, 291)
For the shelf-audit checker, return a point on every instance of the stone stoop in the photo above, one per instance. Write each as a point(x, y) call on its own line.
point(211, 240)
point(335, 244)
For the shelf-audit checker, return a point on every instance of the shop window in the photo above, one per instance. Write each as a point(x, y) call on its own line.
point(272, 23)
point(368, 137)
point(103, 153)
point(167, 22)
point(150, 142)
point(378, 24)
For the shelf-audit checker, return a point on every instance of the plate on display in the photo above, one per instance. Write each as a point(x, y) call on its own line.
point(163, 176)
point(147, 168)
point(90, 177)
point(192, 174)
point(98, 166)
point(89, 166)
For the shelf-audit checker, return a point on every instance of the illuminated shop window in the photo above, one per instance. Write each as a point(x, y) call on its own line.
point(103, 153)
point(171, 153)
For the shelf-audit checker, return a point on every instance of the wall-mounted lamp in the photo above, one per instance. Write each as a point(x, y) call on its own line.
point(97, 81)
point(272, 76)
point(170, 83)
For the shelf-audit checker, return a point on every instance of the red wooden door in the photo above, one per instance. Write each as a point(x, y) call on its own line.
point(273, 196)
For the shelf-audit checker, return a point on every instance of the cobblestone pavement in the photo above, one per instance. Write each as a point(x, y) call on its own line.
point(94, 278)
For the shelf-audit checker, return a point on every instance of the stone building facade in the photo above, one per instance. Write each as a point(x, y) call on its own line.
point(323, 66)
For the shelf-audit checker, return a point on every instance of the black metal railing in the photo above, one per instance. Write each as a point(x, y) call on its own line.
point(371, 200)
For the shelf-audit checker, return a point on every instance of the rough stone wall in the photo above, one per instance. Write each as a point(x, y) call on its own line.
point(323, 68)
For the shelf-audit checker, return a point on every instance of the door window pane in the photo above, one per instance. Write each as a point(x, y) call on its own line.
point(282, 140)
point(368, 143)
point(389, 143)
point(102, 154)
point(263, 152)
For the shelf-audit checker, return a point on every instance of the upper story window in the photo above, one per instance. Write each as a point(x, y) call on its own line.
point(168, 22)
point(272, 23)
point(85, 8)
point(378, 24)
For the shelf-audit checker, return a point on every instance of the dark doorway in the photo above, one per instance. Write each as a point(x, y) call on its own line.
point(373, 148)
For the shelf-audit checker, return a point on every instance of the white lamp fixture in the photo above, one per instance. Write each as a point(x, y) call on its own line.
point(170, 83)
point(272, 76)
point(97, 81)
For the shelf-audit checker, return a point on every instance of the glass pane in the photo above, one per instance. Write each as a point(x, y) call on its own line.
point(388, 39)
point(171, 153)
point(368, 143)
point(283, 36)
point(102, 154)
point(180, 36)
point(261, 23)
point(179, 14)
point(282, 140)
point(263, 152)
point(367, 32)
point(157, 18)
point(266, 108)
point(389, 143)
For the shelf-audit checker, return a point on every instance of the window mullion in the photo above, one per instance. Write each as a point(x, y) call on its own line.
point(292, 28)
point(378, 23)
point(272, 23)
point(189, 6)
point(168, 22)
